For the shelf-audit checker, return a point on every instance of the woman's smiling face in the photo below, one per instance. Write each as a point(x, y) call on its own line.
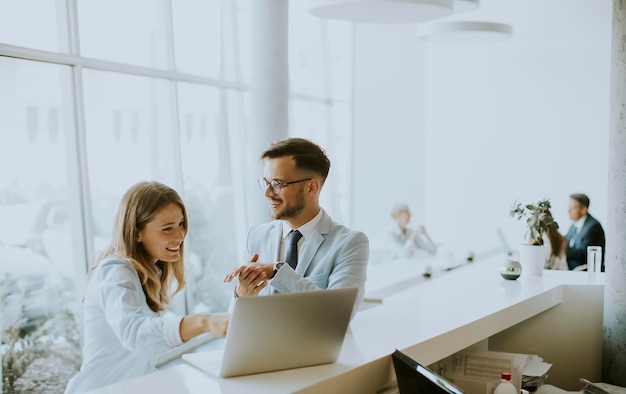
point(163, 236)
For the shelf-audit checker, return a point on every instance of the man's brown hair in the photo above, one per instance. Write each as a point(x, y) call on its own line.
point(307, 155)
point(582, 199)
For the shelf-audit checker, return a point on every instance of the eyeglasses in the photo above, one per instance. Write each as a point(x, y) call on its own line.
point(276, 186)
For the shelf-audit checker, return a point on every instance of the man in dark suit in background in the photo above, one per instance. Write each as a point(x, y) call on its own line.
point(585, 231)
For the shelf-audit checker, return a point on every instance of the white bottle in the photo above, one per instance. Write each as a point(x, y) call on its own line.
point(505, 386)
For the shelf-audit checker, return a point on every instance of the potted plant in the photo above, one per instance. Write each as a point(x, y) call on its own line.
point(538, 220)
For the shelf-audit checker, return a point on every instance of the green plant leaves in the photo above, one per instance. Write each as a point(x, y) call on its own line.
point(539, 220)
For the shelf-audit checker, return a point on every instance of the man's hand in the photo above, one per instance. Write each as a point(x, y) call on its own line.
point(252, 276)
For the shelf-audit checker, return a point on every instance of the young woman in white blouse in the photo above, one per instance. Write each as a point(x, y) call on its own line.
point(128, 289)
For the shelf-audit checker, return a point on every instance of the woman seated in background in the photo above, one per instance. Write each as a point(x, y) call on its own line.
point(557, 257)
point(128, 289)
point(403, 241)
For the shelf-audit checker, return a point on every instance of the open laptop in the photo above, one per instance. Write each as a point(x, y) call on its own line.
point(414, 378)
point(281, 331)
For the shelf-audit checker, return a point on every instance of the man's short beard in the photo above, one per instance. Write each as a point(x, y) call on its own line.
point(290, 212)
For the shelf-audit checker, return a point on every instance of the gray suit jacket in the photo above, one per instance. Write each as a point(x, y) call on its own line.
point(333, 257)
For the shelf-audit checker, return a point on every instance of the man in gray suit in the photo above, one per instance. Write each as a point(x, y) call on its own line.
point(303, 249)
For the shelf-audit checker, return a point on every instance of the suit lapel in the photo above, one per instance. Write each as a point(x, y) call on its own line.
point(588, 223)
point(310, 248)
point(571, 233)
point(583, 230)
point(276, 236)
point(313, 244)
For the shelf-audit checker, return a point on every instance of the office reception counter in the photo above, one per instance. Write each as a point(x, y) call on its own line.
point(557, 316)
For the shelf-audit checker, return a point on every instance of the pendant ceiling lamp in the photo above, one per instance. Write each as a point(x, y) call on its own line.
point(465, 5)
point(461, 32)
point(381, 11)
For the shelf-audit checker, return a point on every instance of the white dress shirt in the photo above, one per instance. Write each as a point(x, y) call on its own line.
point(123, 336)
point(306, 230)
point(578, 225)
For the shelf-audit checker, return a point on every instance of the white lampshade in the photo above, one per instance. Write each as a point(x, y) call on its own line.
point(381, 11)
point(465, 5)
point(461, 32)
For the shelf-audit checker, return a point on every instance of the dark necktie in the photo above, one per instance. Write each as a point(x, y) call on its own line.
point(291, 255)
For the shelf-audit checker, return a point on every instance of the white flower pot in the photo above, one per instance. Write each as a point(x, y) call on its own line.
point(532, 258)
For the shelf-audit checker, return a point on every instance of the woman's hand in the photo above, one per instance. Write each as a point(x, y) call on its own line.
point(194, 325)
point(218, 324)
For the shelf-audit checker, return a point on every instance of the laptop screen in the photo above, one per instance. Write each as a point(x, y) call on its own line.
point(414, 378)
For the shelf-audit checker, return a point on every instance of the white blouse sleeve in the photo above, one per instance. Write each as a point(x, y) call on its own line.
point(117, 290)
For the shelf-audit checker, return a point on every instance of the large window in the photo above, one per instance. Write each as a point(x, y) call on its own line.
point(130, 131)
point(95, 97)
point(320, 68)
point(206, 140)
point(37, 271)
point(132, 32)
point(39, 24)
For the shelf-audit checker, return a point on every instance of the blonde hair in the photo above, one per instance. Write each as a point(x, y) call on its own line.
point(138, 206)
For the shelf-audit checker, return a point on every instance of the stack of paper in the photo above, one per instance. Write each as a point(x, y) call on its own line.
point(534, 373)
point(481, 371)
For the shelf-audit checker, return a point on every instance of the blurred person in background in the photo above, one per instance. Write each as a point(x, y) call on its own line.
point(585, 231)
point(403, 241)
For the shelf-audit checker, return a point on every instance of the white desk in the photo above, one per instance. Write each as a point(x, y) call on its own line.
point(441, 316)
point(394, 276)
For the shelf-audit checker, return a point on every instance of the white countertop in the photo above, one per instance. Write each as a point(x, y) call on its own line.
point(444, 314)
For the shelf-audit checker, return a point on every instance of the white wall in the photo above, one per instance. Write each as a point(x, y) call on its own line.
point(523, 119)
point(388, 125)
